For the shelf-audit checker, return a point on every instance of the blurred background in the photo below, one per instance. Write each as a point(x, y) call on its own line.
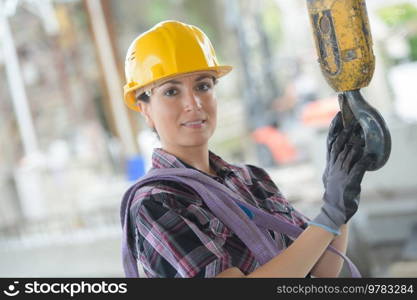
point(69, 148)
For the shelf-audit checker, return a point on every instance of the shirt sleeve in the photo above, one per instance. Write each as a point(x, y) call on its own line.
point(170, 244)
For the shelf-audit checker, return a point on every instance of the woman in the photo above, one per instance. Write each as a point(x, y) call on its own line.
point(171, 71)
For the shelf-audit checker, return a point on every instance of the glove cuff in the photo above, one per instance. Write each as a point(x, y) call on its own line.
point(324, 221)
point(331, 230)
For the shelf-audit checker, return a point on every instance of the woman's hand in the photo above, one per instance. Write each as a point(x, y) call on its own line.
point(343, 175)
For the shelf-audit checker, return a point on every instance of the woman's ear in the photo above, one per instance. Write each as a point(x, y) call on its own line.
point(144, 110)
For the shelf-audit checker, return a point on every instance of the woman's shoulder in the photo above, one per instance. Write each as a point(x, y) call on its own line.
point(257, 172)
point(252, 172)
point(168, 194)
point(261, 181)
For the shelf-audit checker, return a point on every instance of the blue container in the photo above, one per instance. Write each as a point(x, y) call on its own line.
point(135, 167)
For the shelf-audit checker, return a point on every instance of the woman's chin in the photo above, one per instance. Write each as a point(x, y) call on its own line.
point(194, 141)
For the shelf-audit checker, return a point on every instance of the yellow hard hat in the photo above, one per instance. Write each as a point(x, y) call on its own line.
point(168, 49)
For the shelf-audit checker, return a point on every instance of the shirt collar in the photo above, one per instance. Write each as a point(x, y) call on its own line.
point(162, 159)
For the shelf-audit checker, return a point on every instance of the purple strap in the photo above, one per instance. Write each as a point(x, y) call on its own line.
point(248, 222)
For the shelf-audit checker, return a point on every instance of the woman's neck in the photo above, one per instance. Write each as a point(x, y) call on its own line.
point(197, 157)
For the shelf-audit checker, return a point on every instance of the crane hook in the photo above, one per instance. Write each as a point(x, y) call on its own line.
point(375, 132)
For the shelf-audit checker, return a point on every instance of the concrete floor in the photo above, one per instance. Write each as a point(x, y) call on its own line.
point(101, 258)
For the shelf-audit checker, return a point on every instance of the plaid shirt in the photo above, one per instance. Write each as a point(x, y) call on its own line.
point(176, 234)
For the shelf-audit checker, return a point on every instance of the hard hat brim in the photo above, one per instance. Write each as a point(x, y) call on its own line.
point(130, 89)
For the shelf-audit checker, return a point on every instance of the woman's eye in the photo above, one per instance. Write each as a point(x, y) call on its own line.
point(204, 86)
point(171, 92)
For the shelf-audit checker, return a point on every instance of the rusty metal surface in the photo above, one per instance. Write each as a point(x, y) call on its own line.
point(343, 42)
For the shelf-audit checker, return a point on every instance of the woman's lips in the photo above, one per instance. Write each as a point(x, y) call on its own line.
point(194, 124)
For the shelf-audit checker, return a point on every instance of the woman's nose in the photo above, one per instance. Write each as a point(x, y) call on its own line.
point(192, 101)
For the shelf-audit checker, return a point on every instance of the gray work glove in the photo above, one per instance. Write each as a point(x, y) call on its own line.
point(343, 174)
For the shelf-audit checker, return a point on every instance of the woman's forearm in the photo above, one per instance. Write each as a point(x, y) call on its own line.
point(299, 258)
point(330, 264)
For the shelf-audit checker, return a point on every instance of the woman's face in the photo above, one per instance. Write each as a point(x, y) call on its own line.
point(183, 110)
